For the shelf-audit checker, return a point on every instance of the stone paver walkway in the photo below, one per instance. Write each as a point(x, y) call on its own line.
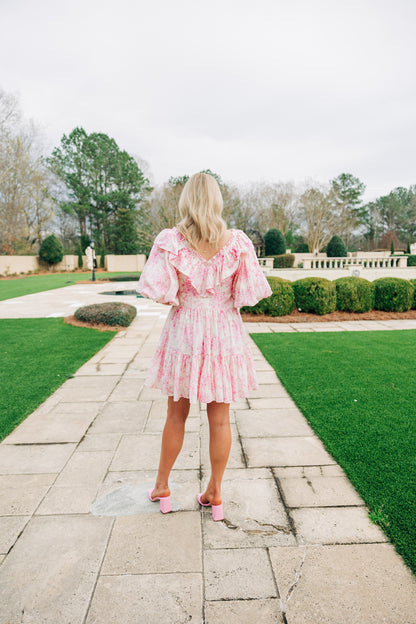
point(81, 544)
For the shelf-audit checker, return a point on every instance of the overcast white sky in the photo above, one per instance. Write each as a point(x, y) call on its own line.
point(268, 90)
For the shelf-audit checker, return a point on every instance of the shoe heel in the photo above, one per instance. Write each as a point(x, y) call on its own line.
point(165, 504)
point(217, 512)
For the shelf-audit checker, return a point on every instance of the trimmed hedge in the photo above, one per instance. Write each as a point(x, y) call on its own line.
point(336, 248)
point(122, 278)
point(281, 302)
point(354, 294)
point(322, 296)
point(110, 313)
point(411, 260)
point(393, 294)
point(283, 261)
point(413, 281)
point(315, 294)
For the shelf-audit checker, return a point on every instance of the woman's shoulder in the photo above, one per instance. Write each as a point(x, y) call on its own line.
point(244, 241)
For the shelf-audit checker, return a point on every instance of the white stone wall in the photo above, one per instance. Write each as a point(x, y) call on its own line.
point(23, 264)
point(332, 274)
point(125, 263)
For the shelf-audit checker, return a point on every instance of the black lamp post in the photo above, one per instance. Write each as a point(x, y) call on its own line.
point(93, 256)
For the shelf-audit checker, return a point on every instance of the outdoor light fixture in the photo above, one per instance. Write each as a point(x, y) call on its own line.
point(93, 256)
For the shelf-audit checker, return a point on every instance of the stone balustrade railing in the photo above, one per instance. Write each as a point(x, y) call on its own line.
point(363, 262)
point(367, 262)
point(266, 262)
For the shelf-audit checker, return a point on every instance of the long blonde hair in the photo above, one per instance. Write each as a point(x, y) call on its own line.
point(200, 208)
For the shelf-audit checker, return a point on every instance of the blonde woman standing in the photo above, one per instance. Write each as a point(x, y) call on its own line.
point(205, 272)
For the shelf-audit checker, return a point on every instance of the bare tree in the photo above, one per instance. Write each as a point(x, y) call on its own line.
point(25, 206)
point(10, 114)
point(322, 216)
point(271, 206)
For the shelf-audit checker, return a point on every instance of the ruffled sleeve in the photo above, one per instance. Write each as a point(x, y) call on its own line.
point(159, 279)
point(250, 284)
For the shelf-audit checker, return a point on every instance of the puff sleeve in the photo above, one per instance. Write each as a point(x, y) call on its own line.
point(159, 279)
point(250, 284)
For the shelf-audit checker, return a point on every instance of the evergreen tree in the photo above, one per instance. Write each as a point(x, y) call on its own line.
point(125, 232)
point(336, 248)
point(51, 250)
point(80, 260)
point(275, 242)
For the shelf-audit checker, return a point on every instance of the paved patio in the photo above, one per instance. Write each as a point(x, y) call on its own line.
point(81, 544)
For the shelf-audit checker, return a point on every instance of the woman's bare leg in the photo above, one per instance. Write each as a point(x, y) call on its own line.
point(172, 440)
point(219, 449)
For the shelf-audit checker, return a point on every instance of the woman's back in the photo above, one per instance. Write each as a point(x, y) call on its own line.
point(204, 351)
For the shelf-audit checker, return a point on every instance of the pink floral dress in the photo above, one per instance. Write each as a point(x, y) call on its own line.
point(203, 352)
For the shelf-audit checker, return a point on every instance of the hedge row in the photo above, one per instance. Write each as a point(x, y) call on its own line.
point(322, 296)
point(283, 261)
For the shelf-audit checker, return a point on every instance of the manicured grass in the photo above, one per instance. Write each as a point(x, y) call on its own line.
point(358, 392)
point(38, 283)
point(36, 357)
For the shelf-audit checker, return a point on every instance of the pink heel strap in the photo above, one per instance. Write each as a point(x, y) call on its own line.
point(217, 512)
point(165, 504)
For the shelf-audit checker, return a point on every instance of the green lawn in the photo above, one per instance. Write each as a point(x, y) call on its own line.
point(38, 283)
point(357, 390)
point(36, 357)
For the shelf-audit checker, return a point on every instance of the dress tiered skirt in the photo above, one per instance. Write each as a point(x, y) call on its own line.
point(203, 354)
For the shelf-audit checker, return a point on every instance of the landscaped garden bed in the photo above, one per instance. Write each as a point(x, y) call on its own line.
point(306, 317)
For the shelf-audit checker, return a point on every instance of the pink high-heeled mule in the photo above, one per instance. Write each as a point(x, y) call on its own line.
point(165, 502)
point(216, 510)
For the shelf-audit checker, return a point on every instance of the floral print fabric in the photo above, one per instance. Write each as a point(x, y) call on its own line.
point(203, 352)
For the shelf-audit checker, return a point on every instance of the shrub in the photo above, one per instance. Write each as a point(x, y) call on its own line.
point(336, 248)
point(280, 302)
point(283, 261)
point(354, 294)
point(51, 250)
point(102, 259)
point(110, 313)
point(302, 248)
point(413, 281)
point(124, 278)
point(315, 294)
point(393, 294)
point(411, 260)
point(275, 242)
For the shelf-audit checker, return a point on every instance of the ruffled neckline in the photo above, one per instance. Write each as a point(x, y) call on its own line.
point(204, 275)
point(189, 246)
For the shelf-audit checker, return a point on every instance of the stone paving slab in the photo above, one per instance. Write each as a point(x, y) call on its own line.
point(256, 515)
point(184, 485)
point(50, 573)
point(238, 573)
point(296, 544)
point(22, 493)
point(344, 584)
point(33, 459)
point(242, 611)
point(285, 451)
point(335, 525)
point(272, 423)
point(147, 598)
point(142, 544)
point(66, 422)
